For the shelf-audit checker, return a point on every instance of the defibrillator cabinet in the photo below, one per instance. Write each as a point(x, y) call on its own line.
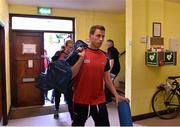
point(155, 58)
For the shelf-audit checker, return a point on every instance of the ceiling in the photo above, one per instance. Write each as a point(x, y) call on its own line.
point(93, 5)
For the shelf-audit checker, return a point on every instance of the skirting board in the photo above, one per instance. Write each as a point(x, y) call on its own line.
point(143, 116)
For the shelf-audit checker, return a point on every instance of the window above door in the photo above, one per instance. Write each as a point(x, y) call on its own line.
point(45, 24)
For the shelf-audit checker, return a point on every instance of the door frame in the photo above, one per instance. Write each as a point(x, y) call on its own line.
point(4, 118)
point(12, 50)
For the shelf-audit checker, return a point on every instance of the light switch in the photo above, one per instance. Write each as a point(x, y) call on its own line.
point(130, 43)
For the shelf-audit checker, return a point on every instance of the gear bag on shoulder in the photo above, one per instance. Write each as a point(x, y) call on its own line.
point(59, 75)
point(59, 72)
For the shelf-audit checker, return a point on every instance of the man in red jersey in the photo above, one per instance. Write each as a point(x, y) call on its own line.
point(88, 73)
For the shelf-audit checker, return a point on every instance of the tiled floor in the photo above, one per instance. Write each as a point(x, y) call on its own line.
point(64, 120)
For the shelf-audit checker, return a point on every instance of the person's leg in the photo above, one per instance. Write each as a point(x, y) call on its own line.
point(46, 95)
point(57, 101)
point(52, 96)
point(80, 114)
point(68, 97)
point(99, 114)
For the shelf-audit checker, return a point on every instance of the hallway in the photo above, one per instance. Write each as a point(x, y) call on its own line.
point(64, 120)
point(147, 30)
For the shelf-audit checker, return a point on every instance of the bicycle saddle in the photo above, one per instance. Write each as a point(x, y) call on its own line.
point(173, 77)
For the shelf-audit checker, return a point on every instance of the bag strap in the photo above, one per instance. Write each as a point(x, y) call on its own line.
point(56, 55)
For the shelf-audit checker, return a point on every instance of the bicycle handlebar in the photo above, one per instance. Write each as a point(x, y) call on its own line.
point(173, 77)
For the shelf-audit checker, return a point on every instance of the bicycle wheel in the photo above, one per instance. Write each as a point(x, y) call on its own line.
point(166, 104)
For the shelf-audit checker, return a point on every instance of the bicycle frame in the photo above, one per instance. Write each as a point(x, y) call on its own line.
point(173, 91)
point(166, 100)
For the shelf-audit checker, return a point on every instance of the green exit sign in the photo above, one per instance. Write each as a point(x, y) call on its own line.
point(44, 11)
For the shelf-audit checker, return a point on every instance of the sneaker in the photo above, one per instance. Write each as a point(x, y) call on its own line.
point(56, 114)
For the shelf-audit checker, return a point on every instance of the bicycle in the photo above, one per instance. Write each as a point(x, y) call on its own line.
point(166, 100)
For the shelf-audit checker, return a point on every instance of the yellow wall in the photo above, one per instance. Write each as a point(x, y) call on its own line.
point(145, 79)
point(4, 19)
point(171, 22)
point(114, 23)
point(141, 80)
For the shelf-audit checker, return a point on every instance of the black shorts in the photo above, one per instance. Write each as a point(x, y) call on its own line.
point(99, 113)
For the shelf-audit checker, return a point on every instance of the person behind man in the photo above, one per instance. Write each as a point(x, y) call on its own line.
point(60, 55)
point(113, 56)
point(89, 72)
point(46, 63)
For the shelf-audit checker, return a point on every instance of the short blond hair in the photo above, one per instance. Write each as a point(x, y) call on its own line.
point(95, 27)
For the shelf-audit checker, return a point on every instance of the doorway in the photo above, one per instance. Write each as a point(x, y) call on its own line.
point(3, 103)
point(54, 42)
point(27, 41)
point(27, 53)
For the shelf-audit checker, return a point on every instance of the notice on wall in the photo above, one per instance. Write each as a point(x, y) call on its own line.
point(29, 48)
point(30, 63)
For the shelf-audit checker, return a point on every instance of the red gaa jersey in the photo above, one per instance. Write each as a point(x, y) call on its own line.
point(88, 88)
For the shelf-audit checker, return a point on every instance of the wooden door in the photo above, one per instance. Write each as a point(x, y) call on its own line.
point(27, 48)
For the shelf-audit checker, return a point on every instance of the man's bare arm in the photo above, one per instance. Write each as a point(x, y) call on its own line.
point(76, 67)
point(111, 87)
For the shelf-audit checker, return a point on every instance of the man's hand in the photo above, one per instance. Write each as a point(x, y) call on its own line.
point(121, 98)
point(76, 67)
point(81, 52)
